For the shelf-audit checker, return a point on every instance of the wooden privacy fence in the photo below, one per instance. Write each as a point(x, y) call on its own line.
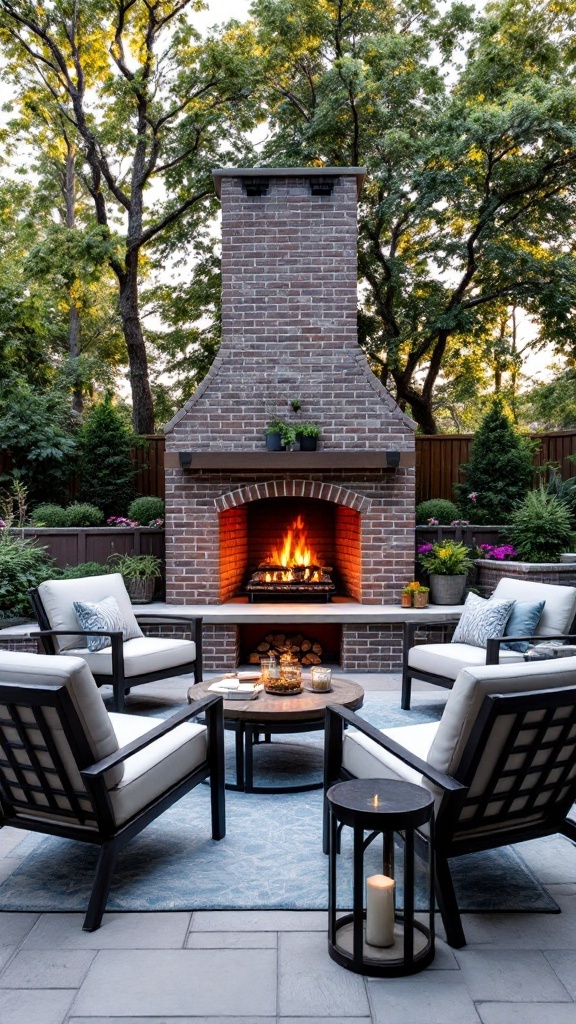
point(438, 461)
point(439, 457)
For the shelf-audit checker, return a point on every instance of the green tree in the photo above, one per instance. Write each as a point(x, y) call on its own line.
point(106, 473)
point(499, 471)
point(146, 104)
point(469, 201)
point(37, 432)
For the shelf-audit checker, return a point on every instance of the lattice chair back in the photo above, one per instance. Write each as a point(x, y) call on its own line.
point(52, 725)
point(519, 765)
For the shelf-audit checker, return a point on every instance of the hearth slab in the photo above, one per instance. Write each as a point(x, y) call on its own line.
point(235, 613)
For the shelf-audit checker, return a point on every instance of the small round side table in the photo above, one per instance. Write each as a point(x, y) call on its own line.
point(386, 807)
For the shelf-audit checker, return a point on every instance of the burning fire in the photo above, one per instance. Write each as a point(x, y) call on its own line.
point(294, 551)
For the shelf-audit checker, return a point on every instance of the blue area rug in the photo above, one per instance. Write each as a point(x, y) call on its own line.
point(271, 857)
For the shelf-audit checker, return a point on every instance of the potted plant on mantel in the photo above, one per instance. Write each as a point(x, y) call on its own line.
point(140, 573)
point(279, 435)
point(414, 594)
point(307, 434)
point(447, 563)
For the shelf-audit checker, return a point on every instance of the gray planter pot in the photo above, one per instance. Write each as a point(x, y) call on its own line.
point(140, 591)
point(447, 589)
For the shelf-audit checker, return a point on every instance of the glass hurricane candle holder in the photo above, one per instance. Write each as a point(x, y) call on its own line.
point(321, 678)
point(292, 673)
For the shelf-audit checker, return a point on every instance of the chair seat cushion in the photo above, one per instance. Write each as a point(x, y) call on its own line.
point(143, 655)
point(152, 771)
point(364, 759)
point(448, 659)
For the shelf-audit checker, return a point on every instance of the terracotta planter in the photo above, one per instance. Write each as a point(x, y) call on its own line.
point(406, 600)
point(420, 600)
point(447, 589)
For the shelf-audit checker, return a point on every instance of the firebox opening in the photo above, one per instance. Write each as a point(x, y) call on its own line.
point(327, 635)
point(302, 549)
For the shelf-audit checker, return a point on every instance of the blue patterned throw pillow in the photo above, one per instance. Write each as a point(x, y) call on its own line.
point(104, 615)
point(481, 620)
point(522, 622)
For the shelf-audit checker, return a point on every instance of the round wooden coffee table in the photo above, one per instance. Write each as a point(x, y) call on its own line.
point(270, 714)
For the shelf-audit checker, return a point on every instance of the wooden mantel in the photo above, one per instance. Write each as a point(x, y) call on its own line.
point(290, 461)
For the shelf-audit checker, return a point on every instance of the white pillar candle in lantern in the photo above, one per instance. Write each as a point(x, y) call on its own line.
point(380, 910)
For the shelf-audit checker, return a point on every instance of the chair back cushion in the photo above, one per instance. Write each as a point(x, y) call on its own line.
point(559, 608)
point(469, 690)
point(58, 597)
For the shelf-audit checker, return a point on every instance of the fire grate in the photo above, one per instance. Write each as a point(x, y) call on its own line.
point(298, 580)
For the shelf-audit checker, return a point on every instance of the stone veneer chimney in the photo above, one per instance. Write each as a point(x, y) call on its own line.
point(289, 314)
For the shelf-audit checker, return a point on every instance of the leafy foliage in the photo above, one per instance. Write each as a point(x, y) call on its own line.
point(106, 474)
point(23, 564)
point(499, 470)
point(83, 514)
point(436, 508)
point(541, 527)
point(146, 509)
point(77, 572)
point(137, 567)
point(36, 429)
point(445, 558)
point(49, 515)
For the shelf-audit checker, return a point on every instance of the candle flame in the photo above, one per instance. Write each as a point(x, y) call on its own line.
point(375, 801)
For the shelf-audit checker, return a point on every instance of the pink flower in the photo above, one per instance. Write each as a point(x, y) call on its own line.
point(473, 496)
point(2, 524)
point(432, 522)
point(120, 521)
point(460, 522)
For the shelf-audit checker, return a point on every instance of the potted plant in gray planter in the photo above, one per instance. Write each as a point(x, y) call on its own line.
point(447, 563)
point(279, 435)
point(307, 434)
point(140, 573)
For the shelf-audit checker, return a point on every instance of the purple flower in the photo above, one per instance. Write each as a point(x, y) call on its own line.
point(432, 522)
point(2, 524)
point(498, 552)
point(424, 549)
point(120, 521)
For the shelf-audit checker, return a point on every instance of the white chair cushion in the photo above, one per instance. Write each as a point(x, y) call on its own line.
point(469, 690)
point(58, 598)
point(145, 654)
point(52, 670)
point(449, 659)
point(363, 758)
point(559, 609)
point(159, 766)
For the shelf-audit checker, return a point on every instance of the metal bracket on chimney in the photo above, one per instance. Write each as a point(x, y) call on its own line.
point(255, 186)
point(322, 184)
point(392, 460)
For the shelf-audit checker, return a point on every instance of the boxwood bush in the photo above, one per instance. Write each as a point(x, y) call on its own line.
point(81, 513)
point(436, 508)
point(146, 509)
point(49, 515)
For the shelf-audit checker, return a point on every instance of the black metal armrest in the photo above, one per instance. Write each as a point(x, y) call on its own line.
point(101, 767)
point(410, 628)
point(493, 645)
point(445, 782)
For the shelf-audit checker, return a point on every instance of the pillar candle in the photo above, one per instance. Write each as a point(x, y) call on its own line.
point(380, 910)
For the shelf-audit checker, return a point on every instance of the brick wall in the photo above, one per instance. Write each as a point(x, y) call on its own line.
point(289, 301)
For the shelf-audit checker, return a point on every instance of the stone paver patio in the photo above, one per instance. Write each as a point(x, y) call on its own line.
point(272, 967)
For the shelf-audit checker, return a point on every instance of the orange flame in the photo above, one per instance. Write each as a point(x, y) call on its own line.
point(294, 550)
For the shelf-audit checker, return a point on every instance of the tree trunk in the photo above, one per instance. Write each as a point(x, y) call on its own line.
point(142, 404)
point(74, 315)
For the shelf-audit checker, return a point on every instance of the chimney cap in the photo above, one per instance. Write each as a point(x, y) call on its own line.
point(288, 172)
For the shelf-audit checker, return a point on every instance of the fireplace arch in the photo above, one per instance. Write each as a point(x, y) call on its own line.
point(254, 520)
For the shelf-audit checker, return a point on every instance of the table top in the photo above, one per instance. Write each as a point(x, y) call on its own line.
point(307, 706)
point(381, 803)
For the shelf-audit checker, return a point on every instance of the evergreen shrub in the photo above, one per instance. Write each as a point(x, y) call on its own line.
point(23, 564)
point(76, 572)
point(48, 515)
point(106, 472)
point(436, 508)
point(541, 527)
point(146, 509)
point(83, 514)
point(499, 471)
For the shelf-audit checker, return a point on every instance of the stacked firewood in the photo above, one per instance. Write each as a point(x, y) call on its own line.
point(306, 651)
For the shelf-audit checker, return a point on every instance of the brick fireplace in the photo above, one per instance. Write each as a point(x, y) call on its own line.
point(289, 308)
